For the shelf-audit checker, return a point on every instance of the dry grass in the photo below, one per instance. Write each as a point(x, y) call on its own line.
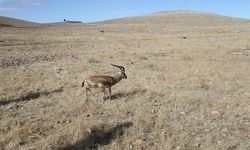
point(181, 93)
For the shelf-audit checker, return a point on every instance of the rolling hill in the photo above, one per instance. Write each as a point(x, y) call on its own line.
point(179, 17)
point(12, 22)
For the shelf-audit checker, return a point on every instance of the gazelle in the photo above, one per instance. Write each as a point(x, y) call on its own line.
point(104, 81)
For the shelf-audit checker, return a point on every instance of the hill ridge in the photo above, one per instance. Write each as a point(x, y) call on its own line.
point(19, 23)
point(180, 17)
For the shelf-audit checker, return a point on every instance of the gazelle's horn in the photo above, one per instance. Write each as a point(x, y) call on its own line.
point(120, 67)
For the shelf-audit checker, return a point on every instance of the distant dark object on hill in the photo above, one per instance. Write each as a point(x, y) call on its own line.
point(68, 21)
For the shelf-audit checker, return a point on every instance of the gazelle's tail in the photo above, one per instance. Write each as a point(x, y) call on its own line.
point(83, 83)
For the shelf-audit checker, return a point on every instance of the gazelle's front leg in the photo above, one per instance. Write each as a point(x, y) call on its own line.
point(103, 93)
point(110, 93)
point(87, 95)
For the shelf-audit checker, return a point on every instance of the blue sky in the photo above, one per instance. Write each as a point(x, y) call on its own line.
point(44, 11)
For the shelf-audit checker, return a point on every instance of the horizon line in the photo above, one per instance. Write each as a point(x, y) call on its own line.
point(151, 13)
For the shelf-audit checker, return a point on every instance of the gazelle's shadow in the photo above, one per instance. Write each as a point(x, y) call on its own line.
point(129, 94)
point(30, 96)
point(99, 136)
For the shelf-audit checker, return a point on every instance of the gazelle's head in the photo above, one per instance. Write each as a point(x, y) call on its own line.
point(122, 71)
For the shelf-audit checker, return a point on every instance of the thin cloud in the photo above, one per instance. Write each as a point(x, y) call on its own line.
point(14, 5)
point(5, 9)
point(26, 2)
point(5, 1)
point(33, 2)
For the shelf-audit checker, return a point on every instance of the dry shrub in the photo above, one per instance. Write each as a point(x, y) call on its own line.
point(151, 66)
point(143, 58)
point(160, 54)
point(93, 61)
point(187, 58)
point(202, 84)
point(161, 77)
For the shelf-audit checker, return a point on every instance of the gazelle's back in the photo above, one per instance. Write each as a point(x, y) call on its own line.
point(102, 79)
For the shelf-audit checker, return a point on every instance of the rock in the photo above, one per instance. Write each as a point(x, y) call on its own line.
point(182, 113)
point(215, 113)
point(153, 116)
point(140, 142)
point(225, 130)
point(219, 142)
point(89, 130)
point(154, 111)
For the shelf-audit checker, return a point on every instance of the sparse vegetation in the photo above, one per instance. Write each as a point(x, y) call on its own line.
point(190, 93)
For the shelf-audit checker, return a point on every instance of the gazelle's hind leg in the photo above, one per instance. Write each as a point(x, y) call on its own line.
point(109, 93)
point(87, 96)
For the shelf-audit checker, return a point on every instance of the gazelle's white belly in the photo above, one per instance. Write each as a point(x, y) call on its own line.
point(92, 84)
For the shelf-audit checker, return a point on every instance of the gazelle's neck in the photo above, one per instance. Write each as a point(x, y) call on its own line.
point(117, 78)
